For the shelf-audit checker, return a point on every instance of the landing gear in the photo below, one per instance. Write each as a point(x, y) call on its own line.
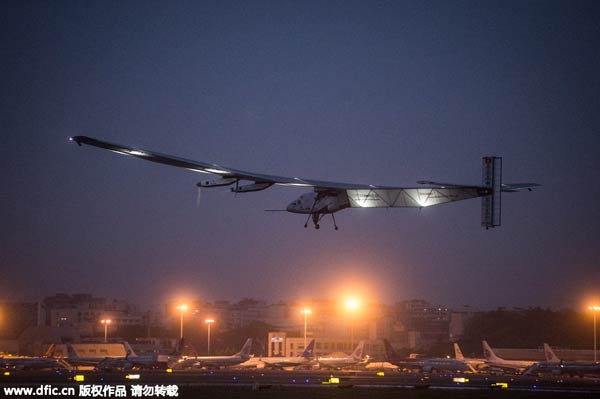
point(316, 218)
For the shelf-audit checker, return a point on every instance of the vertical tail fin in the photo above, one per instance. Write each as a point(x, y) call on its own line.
point(71, 352)
point(129, 350)
point(358, 352)
point(488, 353)
point(490, 204)
point(308, 352)
point(178, 349)
point(550, 355)
point(390, 353)
point(50, 351)
point(244, 353)
point(457, 352)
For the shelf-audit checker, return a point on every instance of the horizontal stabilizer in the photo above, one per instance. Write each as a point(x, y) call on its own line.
point(513, 188)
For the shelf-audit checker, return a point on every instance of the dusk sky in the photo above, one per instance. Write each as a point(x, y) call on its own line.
point(375, 92)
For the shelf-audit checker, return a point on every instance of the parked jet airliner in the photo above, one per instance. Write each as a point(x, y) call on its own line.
point(554, 365)
point(338, 362)
point(427, 364)
point(216, 361)
point(291, 361)
point(473, 362)
point(494, 361)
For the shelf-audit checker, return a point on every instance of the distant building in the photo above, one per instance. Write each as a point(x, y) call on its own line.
point(19, 316)
point(88, 350)
point(421, 324)
point(282, 344)
point(84, 312)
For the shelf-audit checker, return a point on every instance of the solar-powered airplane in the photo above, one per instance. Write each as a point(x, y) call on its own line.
point(328, 198)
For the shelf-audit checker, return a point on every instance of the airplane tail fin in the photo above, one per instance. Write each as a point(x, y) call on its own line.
point(457, 352)
point(308, 352)
point(390, 352)
point(244, 353)
point(550, 355)
point(488, 353)
point(50, 351)
point(359, 351)
point(178, 349)
point(492, 180)
point(71, 352)
point(129, 350)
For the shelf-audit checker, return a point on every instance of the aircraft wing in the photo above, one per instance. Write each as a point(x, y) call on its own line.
point(359, 195)
point(213, 168)
point(412, 197)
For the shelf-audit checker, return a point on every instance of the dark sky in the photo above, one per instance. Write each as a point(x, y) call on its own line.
point(367, 92)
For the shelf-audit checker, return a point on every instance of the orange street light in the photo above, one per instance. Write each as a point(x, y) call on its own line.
point(595, 309)
point(106, 322)
point(182, 308)
point(208, 323)
point(352, 304)
point(305, 312)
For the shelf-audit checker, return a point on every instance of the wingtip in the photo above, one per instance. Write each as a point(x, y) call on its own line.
point(76, 139)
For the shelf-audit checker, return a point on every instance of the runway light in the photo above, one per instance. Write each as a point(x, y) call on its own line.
point(502, 385)
point(79, 378)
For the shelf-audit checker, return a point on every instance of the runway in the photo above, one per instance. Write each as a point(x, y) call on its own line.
point(318, 384)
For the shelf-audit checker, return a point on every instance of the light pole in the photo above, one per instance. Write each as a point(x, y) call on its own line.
point(106, 322)
point(595, 309)
point(352, 305)
point(208, 323)
point(305, 312)
point(181, 308)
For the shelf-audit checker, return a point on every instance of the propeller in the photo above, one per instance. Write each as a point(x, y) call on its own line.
point(199, 195)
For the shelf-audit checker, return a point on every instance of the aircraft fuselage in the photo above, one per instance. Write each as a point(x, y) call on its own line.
point(320, 203)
